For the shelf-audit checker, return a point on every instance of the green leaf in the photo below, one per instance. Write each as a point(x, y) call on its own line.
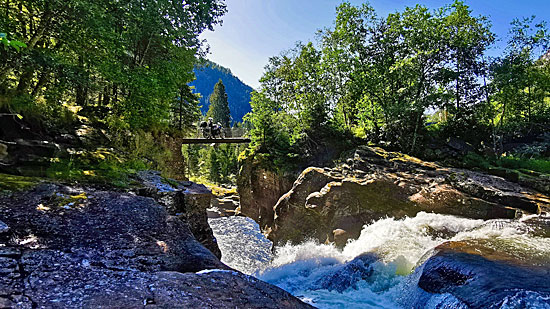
point(18, 43)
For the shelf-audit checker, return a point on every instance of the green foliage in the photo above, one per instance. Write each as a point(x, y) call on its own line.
point(215, 164)
point(473, 160)
point(144, 146)
point(7, 43)
point(378, 78)
point(219, 107)
point(120, 68)
point(113, 172)
point(537, 165)
point(131, 60)
point(521, 80)
point(116, 166)
point(10, 183)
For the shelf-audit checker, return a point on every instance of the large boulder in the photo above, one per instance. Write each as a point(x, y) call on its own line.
point(73, 247)
point(185, 199)
point(488, 274)
point(333, 204)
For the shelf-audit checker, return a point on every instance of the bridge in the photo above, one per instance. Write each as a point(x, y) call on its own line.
point(230, 140)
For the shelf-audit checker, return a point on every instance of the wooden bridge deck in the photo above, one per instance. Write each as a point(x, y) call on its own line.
point(215, 140)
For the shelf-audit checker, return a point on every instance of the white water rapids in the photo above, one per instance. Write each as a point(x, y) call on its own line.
point(323, 275)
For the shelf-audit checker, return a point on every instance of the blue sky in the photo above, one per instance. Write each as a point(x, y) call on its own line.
point(254, 30)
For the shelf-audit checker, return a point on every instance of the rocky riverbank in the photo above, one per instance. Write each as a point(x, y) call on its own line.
point(85, 246)
point(333, 204)
point(388, 214)
point(489, 273)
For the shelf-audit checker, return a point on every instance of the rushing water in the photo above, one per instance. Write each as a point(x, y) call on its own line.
point(327, 277)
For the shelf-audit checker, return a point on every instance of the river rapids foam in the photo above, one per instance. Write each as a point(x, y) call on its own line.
point(328, 277)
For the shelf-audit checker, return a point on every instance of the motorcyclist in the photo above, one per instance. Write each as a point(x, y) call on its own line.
point(219, 130)
point(210, 124)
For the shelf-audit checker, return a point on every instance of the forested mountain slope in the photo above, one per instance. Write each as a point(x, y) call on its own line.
point(208, 74)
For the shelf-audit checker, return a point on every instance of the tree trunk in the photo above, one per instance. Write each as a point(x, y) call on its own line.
point(529, 104)
point(46, 19)
point(115, 94)
point(457, 86)
point(181, 109)
point(41, 81)
point(81, 95)
point(106, 96)
point(416, 132)
point(25, 80)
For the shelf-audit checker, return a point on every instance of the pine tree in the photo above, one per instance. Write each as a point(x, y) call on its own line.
point(219, 107)
point(213, 166)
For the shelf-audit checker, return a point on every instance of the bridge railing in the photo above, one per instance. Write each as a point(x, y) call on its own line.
point(229, 132)
point(235, 132)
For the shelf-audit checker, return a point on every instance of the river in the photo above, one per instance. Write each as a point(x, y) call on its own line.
point(378, 270)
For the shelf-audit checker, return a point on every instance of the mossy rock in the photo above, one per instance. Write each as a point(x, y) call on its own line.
point(10, 183)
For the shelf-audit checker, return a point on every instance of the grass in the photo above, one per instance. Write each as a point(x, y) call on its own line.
point(537, 165)
point(115, 172)
point(523, 165)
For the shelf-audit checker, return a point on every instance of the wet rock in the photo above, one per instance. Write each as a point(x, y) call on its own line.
point(539, 226)
point(217, 289)
point(29, 157)
point(224, 205)
point(349, 274)
point(4, 228)
point(109, 228)
point(539, 182)
point(459, 145)
point(9, 252)
point(340, 237)
point(374, 183)
point(6, 303)
point(488, 274)
point(3, 151)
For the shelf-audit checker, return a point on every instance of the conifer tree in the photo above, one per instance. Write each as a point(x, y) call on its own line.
point(219, 107)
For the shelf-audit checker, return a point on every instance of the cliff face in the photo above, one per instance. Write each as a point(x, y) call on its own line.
point(332, 204)
point(259, 190)
point(80, 246)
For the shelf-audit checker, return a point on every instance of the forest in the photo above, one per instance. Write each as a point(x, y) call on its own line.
point(124, 64)
point(410, 81)
point(119, 69)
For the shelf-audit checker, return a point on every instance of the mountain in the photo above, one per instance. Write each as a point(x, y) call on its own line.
point(238, 93)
